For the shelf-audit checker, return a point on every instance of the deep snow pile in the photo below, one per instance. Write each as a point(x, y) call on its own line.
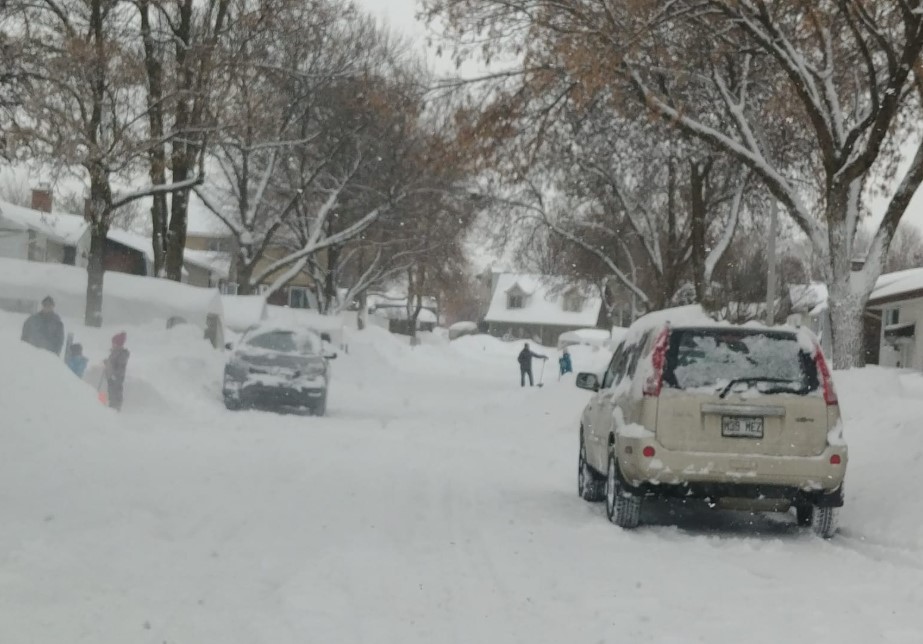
point(883, 409)
point(435, 504)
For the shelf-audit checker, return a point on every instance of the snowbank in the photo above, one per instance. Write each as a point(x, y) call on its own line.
point(592, 337)
point(882, 409)
point(336, 326)
point(127, 299)
point(460, 329)
point(179, 521)
point(243, 311)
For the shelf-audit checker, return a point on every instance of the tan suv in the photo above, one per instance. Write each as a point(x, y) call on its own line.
point(745, 417)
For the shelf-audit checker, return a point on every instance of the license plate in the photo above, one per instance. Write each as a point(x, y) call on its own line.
point(741, 427)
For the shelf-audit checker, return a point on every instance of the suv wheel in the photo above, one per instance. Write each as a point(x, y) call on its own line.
point(622, 507)
point(590, 485)
point(231, 404)
point(320, 407)
point(824, 521)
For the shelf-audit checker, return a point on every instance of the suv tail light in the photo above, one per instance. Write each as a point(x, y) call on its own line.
point(654, 382)
point(826, 379)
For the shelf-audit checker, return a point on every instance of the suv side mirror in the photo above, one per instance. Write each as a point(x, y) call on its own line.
point(589, 381)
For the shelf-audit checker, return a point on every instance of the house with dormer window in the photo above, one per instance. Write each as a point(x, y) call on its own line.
point(539, 308)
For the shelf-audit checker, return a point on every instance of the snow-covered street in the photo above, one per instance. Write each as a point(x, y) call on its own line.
point(436, 503)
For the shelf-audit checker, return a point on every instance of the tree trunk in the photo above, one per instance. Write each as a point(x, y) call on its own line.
point(846, 320)
point(771, 276)
point(330, 281)
point(698, 175)
point(93, 314)
point(176, 238)
point(244, 273)
point(158, 154)
point(362, 317)
point(415, 292)
point(846, 299)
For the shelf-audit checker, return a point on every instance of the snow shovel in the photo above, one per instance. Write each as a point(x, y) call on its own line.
point(102, 395)
point(541, 375)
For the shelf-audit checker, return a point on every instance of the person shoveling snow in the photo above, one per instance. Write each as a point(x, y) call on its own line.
point(525, 364)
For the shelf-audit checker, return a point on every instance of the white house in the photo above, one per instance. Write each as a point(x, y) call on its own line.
point(897, 307)
point(540, 307)
point(36, 234)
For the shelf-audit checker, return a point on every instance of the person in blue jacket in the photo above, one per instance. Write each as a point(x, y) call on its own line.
point(565, 363)
point(75, 360)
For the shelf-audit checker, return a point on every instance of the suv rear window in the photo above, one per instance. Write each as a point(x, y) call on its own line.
point(773, 362)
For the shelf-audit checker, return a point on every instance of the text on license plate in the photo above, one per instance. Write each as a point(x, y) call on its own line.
point(742, 426)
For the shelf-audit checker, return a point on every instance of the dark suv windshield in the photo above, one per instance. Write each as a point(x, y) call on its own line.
point(715, 358)
point(283, 342)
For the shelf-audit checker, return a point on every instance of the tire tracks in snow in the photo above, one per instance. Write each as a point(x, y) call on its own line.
point(878, 551)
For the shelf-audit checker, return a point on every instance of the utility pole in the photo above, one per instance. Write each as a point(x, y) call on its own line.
point(771, 281)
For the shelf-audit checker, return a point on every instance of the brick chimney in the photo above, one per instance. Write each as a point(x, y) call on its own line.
point(42, 198)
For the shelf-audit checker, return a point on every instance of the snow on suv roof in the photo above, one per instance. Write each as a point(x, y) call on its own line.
point(693, 316)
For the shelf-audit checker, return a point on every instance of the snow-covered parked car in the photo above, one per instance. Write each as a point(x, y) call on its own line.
point(278, 367)
point(746, 417)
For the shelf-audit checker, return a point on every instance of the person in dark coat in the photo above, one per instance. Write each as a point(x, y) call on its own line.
point(116, 364)
point(44, 329)
point(525, 364)
point(565, 363)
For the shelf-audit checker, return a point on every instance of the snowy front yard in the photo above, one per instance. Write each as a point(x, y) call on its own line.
point(436, 503)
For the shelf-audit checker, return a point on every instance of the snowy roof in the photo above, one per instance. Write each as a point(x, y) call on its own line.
point(134, 241)
point(127, 299)
point(397, 300)
point(62, 228)
point(894, 285)
point(400, 313)
point(586, 335)
point(209, 260)
point(213, 261)
point(543, 302)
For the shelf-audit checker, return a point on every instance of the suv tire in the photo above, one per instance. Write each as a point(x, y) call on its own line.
point(824, 521)
point(622, 507)
point(805, 514)
point(231, 404)
point(590, 485)
point(320, 407)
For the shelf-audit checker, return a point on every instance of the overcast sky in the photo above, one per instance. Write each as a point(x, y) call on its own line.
point(399, 13)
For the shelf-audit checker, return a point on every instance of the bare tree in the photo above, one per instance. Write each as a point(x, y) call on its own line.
point(813, 98)
point(83, 110)
point(181, 51)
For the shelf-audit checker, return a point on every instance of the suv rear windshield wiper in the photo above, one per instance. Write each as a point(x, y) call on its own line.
point(754, 380)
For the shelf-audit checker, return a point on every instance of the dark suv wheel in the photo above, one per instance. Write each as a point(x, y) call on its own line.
point(591, 486)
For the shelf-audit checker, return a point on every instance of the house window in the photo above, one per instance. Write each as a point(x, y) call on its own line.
point(514, 301)
point(228, 288)
point(573, 303)
point(892, 317)
point(218, 245)
point(298, 297)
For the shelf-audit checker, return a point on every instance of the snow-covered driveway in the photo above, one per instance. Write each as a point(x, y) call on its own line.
point(437, 503)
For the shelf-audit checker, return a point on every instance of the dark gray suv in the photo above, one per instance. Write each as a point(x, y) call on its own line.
point(277, 367)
